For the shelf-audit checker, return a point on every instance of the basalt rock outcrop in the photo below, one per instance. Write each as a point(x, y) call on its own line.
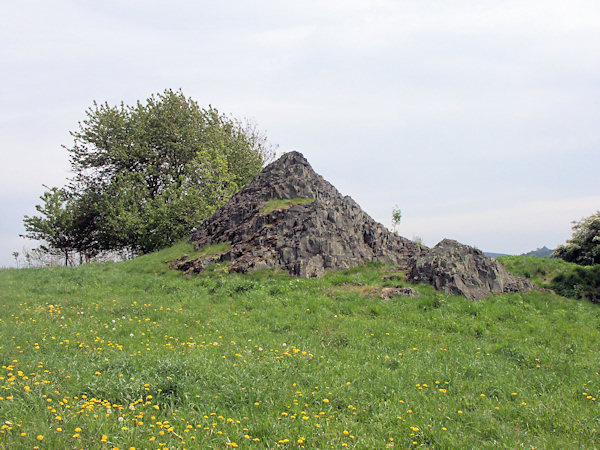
point(454, 268)
point(291, 218)
point(315, 230)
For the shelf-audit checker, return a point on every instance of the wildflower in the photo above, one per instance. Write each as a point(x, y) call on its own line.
point(40, 437)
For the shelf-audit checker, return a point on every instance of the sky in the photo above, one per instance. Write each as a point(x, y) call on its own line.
point(480, 120)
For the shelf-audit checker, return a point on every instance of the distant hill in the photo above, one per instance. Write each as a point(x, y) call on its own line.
point(540, 252)
point(494, 255)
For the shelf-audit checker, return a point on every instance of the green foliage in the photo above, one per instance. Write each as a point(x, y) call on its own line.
point(584, 246)
point(396, 217)
point(129, 350)
point(567, 279)
point(539, 270)
point(57, 229)
point(145, 175)
point(281, 204)
point(579, 282)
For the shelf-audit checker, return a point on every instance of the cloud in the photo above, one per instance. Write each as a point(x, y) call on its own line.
point(549, 220)
point(450, 109)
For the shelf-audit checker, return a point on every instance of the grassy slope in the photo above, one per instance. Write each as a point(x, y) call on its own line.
point(136, 355)
point(540, 271)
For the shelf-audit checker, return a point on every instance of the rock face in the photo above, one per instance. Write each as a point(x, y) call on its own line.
point(290, 217)
point(327, 231)
point(455, 268)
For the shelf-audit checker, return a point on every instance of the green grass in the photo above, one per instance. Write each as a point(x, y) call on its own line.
point(540, 271)
point(281, 204)
point(150, 357)
point(565, 278)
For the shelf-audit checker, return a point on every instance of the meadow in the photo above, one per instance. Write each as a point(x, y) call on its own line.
point(132, 354)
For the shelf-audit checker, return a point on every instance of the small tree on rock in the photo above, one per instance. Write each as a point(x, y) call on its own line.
point(396, 217)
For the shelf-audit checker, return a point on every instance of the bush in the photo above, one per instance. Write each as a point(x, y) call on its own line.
point(581, 282)
point(584, 246)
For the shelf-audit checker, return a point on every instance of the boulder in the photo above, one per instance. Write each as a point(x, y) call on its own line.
point(454, 268)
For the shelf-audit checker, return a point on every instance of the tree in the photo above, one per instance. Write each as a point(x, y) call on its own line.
point(584, 246)
point(145, 175)
point(56, 229)
point(396, 217)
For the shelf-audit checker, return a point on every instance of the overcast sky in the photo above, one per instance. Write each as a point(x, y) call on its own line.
point(479, 119)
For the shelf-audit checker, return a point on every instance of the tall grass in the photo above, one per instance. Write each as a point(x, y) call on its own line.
point(134, 354)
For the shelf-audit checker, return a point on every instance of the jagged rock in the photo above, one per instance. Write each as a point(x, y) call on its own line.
point(455, 268)
point(306, 238)
point(311, 228)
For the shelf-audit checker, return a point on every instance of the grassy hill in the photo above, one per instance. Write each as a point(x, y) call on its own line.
point(133, 354)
